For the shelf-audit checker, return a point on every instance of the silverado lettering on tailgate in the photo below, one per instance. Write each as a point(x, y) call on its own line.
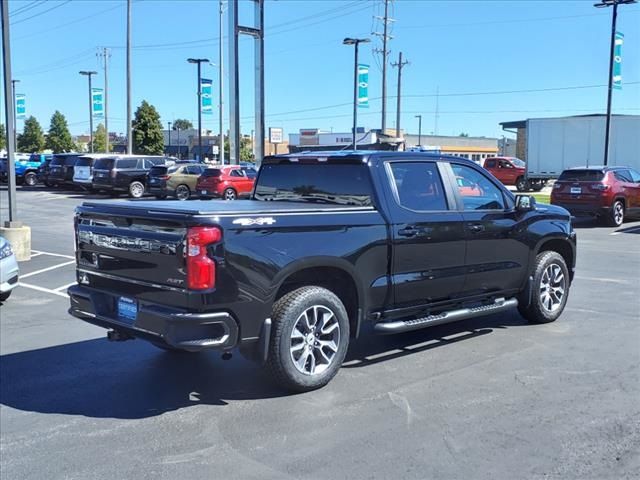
point(134, 244)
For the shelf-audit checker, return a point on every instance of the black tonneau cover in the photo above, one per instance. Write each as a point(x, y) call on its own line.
point(216, 207)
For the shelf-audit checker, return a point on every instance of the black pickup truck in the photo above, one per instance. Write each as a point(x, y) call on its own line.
point(327, 242)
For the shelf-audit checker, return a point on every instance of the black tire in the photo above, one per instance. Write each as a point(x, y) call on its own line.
point(522, 184)
point(182, 192)
point(136, 189)
point(229, 194)
point(536, 311)
point(288, 312)
point(5, 296)
point(537, 187)
point(161, 197)
point(30, 179)
point(615, 216)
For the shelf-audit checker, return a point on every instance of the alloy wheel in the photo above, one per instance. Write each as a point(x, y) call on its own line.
point(552, 287)
point(315, 340)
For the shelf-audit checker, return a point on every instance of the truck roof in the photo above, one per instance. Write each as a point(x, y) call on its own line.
point(357, 156)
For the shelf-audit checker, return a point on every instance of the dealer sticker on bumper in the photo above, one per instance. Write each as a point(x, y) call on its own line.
point(127, 310)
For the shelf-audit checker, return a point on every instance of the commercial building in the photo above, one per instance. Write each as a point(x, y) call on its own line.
point(473, 148)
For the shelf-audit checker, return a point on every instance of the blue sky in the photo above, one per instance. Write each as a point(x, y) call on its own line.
point(475, 48)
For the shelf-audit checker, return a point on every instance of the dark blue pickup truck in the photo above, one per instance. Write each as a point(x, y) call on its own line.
point(327, 242)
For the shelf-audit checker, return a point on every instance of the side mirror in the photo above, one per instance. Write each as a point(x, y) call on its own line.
point(525, 203)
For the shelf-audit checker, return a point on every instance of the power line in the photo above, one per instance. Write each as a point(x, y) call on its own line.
point(40, 13)
point(26, 8)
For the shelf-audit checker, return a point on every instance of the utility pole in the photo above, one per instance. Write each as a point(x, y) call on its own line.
point(199, 62)
point(105, 56)
point(89, 74)
point(399, 65)
point(129, 130)
point(385, 52)
point(355, 42)
point(169, 141)
point(614, 19)
point(15, 126)
point(10, 116)
point(220, 89)
point(179, 152)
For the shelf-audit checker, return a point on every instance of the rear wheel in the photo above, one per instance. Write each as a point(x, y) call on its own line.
point(309, 340)
point(136, 189)
point(537, 187)
point(31, 179)
point(550, 289)
point(183, 192)
point(616, 216)
point(522, 185)
point(5, 296)
point(230, 194)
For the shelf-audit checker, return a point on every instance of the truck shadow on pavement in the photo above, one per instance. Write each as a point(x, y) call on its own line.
point(133, 380)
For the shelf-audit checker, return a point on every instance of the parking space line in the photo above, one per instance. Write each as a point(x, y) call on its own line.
point(42, 289)
point(626, 230)
point(38, 252)
point(30, 274)
point(64, 287)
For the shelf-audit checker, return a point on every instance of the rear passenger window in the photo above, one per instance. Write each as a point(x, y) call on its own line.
point(418, 186)
point(127, 163)
point(194, 170)
point(623, 176)
point(236, 173)
point(476, 190)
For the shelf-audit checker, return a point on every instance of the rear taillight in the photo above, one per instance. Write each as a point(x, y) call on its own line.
point(600, 187)
point(201, 270)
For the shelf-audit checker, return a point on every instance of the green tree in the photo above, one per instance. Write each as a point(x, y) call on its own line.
point(99, 139)
point(31, 140)
point(182, 124)
point(59, 138)
point(246, 152)
point(463, 134)
point(147, 130)
point(3, 137)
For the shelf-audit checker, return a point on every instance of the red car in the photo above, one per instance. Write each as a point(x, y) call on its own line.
point(608, 193)
point(512, 171)
point(227, 182)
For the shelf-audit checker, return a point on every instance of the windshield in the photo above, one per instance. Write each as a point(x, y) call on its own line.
point(103, 164)
point(318, 183)
point(581, 175)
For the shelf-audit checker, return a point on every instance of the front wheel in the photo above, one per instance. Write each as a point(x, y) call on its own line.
point(230, 194)
point(309, 340)
point(550, 289)
point(522, 185)
point(31, 179)
point(183, 192)
point(136, 189)
point(5, 296)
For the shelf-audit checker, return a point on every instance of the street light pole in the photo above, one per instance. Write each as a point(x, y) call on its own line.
point(129, 126)
point(169, 130)
point(419, 117)
point(178, 129)
point(614, 19)
point(220, 89)
point(89, 74)
point(199, 61)
point(10, 117)
point(355, 42)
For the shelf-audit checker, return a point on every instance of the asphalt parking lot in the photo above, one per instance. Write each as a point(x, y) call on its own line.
point(490, 398)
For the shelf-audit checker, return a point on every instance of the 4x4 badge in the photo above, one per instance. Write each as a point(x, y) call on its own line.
point(246, 222)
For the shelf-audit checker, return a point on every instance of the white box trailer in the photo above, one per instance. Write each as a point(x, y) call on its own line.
point(555, 144)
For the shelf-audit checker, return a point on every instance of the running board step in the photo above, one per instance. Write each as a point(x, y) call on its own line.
point(445, 317)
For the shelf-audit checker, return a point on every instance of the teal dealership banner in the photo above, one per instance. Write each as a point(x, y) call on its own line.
point(363, 86)
point(617, 61)
point(21, 105)
point(97, 102)
point(206, 95)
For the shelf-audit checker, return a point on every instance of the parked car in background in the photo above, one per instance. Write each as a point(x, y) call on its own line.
point(607, 193)
point(125, 173)
point(61, 169)
point(26, 168)
point(512, 171)
point(9, 269)
point(228, 182)
point(83, 169)
point(174, 181)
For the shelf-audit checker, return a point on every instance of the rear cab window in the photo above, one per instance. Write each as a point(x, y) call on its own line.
point(313, 182)
point(418, 186)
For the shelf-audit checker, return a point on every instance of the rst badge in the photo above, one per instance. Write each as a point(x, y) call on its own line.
point(247, 222)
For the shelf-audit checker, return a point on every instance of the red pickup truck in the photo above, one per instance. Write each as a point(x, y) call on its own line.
point(512, 171)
